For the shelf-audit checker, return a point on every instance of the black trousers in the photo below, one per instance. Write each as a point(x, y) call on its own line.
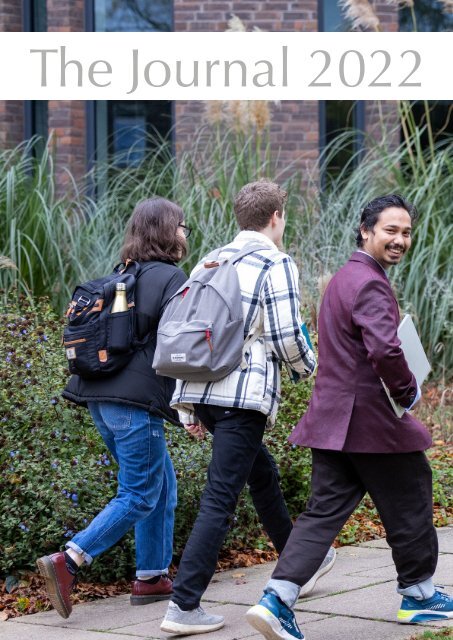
point(238, 457)
point(400, 486)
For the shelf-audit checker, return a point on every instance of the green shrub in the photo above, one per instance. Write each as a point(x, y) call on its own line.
point(56, 473)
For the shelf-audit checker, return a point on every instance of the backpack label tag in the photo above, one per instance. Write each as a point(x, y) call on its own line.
point(178, 357)
point(70, 353)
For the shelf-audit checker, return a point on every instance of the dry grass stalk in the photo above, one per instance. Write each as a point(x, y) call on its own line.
point(260, 114)
point(7, 263)
point(361, 14)
point(214, 112)
point(322, 283)
point(238, 115)
point(447, 6)
point(235, 24)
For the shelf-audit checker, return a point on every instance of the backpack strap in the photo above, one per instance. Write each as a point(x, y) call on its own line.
point(250, 247)
point(236, 257)
point(131, 266)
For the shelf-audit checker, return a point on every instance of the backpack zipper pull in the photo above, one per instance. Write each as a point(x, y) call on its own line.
point(208, 338)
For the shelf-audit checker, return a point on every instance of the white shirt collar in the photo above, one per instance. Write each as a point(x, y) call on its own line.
point(254, 236)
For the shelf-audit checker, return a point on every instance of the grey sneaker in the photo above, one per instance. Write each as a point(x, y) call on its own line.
point(325, 567)
point(184, 623)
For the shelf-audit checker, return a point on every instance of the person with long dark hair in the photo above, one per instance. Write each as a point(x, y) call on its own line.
point(128, 409)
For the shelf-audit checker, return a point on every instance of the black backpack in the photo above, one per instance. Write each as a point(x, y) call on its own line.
point(99, 343)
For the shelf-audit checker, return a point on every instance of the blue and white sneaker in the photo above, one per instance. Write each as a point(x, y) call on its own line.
point(438, 607)
point(274, 620)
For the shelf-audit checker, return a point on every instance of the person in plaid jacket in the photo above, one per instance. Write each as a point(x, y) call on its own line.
point(238, 408)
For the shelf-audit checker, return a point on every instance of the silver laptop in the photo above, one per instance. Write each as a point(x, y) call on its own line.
point(415, 357)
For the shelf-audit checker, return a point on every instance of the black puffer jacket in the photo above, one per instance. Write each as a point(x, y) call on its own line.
point(137, 384)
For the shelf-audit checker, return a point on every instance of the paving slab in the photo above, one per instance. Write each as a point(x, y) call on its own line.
point(443, 575)
point(355, 601)
point(246, 586)
point(344, 628)
point(42, 632)
point(445, 536)
point(235, 625)
point(379, 602)
point(100, 615)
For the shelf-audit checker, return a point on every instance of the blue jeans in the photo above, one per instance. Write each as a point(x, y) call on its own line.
point(146, 495)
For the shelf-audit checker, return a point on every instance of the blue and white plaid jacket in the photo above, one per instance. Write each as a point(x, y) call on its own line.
point(269, 282)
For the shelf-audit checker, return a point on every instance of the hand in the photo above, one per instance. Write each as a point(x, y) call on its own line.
point(198, 431)
point(416, 399)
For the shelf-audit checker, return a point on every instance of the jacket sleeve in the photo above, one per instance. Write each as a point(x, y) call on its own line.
point(282, 321)
point(373, 313)
point(176, 281)
point(154, 288)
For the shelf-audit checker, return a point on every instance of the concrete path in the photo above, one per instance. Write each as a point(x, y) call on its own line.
point(355, 601)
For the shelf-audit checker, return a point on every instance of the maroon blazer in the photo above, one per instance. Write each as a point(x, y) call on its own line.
point(358, 345)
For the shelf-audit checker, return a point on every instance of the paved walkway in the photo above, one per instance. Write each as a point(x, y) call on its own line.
point(355, 601)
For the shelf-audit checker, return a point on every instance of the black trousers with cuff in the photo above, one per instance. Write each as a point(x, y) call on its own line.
point(238, 458)
point(400, 485)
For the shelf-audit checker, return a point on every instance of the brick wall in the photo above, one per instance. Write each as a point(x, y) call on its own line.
point(294, 125)
point(67, 117)
point(67, 128)
point(268, 15)
point(10, 15)
point(11, 111)
point(388, 15)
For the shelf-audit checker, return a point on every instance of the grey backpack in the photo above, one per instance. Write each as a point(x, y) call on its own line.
point(201, 333)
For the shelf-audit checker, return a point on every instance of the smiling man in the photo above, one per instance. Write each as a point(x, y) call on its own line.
point(358, 443)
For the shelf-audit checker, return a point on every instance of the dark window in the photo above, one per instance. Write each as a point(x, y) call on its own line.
point(440, 117)
point(36, 111)
point(35, 15)
point(331, 17)
point(123, 132)
point(430, 15)
point(124, 129)
point(426, 15)
point(133, 15)
point(337, 116)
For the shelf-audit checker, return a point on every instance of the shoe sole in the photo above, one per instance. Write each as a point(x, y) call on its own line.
point(46, 569)
point(176, 628)
point(138, 600)
point(308, 587)
point(422, 615)
point(268, 625)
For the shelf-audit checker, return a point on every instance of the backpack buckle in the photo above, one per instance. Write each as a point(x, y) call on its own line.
point(83, 301)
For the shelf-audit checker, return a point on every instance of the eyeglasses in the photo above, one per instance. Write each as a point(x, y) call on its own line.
point(186, 230)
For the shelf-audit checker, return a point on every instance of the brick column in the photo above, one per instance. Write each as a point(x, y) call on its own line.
point(294, 128)
point(67, 117)
point(11, 111)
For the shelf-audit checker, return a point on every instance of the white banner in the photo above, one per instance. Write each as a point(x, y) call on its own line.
point(226, 66)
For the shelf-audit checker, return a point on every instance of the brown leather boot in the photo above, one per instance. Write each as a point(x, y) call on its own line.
point(144, 592)
point(59, 582)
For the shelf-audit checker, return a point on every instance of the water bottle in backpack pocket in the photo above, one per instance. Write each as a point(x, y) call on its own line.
point(100, 337)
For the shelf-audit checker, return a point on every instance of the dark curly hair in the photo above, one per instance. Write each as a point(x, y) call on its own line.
point(371, 211)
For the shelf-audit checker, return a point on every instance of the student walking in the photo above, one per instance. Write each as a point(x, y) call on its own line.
point(128, 409)
point(237, 408)
point(358, 443)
